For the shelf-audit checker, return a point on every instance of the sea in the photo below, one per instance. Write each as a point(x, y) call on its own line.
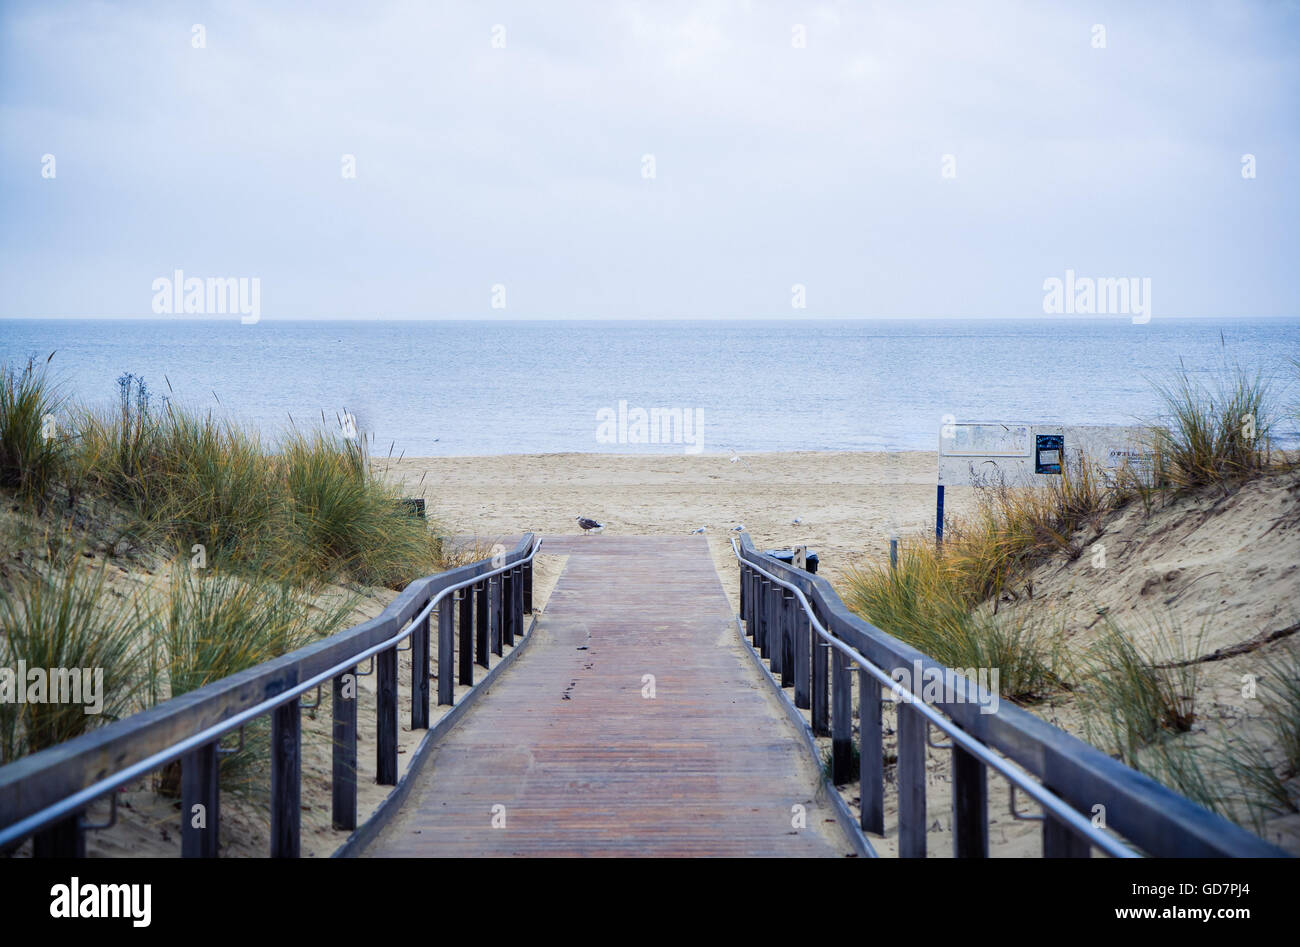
point(464, 388)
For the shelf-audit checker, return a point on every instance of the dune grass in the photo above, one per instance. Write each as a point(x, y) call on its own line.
point(1133, 697)
point(346, 519)
point(33, 451)
point(1211, 434)
point(929, 602)
point(1214, 432)
point(309, 508)
point(265, 526)
point(65, 620)
point(214, 624)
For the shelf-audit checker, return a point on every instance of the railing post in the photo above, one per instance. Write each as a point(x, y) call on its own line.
point(1061, 841)
point(508, 613)
point(752, 606)
point(744, 581)
point(446, 651)
point(518, 605)
point(494, 614)
point(775, 631)
point(820, 691)
point(871, 751)
point(420, 675)
point(841, 719)
point(199, 788)
point(803, 645)
point(970, 805)
point(286, 779)
point(386, 717)
point(764, 615)
point(344, 789)
point(911, 782)
point(528, 586)
point(787, 637)
point(481, 624)
point(63, 839)
point(465, 646)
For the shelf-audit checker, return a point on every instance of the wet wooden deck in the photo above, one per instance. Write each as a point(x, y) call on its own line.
point(585, 764)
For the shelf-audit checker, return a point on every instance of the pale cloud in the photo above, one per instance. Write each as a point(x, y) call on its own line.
point(521, 165)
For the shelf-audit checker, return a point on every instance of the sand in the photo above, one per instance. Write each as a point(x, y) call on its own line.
point(847, 503)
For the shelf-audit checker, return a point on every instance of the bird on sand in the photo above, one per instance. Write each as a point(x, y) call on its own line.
point(588, 524)
point(740, 528)
point(696, 532)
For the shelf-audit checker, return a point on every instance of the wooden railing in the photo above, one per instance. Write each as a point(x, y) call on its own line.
point(45, 794)
point(812, 641)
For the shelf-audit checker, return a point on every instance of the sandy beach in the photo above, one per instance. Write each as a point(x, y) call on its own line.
point(847, 502)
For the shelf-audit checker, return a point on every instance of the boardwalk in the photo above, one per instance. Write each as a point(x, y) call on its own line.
point(585, 764)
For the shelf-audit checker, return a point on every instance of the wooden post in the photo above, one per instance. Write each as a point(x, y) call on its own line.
point(497, 630)
point(1061, 841)
point(481, 648)
point(911, 782)
point(63, 839)
point(820, 691)
point(788, 607)
point(344, 789)
point(386, 717)
point(465, 646)
point(751, 602)
point(420, 675)
point(286, 778)
point(744, 581)
point(446, 651)
point(518, 605)
point(494, 626)
point(803, 645)
point(507, 613)
point(970, 806)
point(776, 631)
point(841, 719)
point(199, 787)
point(528, 587)
point(871, 765)
point(764, 600)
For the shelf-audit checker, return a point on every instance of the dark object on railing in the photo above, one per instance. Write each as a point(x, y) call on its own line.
point(1071, 780)
point(787, 556)
point(414, 506)
point(44, 796)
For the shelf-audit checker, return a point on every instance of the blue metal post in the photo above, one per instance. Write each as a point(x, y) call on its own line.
point(938, 516)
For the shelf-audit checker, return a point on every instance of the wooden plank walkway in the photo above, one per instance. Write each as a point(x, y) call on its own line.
point(584, 764)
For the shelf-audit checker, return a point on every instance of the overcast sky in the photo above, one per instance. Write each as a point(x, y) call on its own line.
point(524, 166)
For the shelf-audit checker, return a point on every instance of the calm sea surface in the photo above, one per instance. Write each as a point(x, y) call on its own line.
point(464, 388)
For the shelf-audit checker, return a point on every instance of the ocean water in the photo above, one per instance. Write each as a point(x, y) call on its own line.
point(466, 388)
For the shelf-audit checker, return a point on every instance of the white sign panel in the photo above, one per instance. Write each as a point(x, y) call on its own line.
point(985, 452)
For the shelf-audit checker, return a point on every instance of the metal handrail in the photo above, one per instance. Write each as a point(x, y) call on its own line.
point(73, 803)
point(1061, 809)
point(1054, 767)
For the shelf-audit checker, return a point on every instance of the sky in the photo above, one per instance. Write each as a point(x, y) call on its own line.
point(908, 160)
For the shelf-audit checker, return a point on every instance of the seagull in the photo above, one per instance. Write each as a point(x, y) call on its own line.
point(736, 458)
point(696, 532)
point(587, 524)
point(796, 521)
point(740, 528)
